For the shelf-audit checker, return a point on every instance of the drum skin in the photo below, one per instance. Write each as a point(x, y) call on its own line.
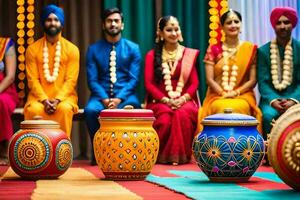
point(284, 147)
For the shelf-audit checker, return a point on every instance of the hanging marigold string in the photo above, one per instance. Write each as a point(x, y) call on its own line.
point(25, 32)
point(217, 8)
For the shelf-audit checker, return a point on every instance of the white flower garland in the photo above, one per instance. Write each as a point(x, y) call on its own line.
point(112, 64)
point(51, 78)
point(171, 62)
point(228, 83)
point(287, 64)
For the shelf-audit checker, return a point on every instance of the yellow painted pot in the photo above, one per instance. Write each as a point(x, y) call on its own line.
point(126, 145)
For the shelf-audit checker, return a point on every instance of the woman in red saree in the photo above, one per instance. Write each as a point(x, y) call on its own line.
point(230, 73)
point(171, 83)
point(8, 94)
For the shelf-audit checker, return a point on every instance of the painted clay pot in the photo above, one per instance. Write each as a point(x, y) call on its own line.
point(126, 145)
point(40, 150)
point(229, 149)
point(284, 147)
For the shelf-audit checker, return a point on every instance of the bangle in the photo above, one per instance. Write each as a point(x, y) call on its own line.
point(221, 93)
point(165, 100)
point(184, 98)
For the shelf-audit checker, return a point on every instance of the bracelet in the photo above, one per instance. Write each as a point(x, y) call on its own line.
point(165, 100)
point(184, 98)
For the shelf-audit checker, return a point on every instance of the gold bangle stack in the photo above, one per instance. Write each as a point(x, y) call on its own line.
point(165, 100)
point(184, 98)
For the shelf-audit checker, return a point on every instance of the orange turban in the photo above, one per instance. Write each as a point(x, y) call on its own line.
point(289, 12)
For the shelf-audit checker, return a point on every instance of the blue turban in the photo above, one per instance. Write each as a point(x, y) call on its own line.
point(55, 10)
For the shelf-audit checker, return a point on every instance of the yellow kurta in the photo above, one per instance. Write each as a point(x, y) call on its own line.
point(63, 88)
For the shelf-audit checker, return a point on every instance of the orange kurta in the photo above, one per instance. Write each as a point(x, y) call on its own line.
point(63, 88)
point(245, 102)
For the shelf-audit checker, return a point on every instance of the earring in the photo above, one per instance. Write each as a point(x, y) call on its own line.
point(180, 39)
point(161, 39)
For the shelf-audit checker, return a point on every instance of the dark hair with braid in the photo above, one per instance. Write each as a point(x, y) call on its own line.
point(162, 22)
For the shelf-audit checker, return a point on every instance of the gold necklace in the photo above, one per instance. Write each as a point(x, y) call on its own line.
point(168, 56)
point(229, 82)
point(171, 63)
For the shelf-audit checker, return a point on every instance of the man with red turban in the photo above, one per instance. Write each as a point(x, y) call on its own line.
point(278, 65)
point(52, 67)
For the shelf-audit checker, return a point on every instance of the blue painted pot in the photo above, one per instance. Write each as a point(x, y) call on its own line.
point(229, 149)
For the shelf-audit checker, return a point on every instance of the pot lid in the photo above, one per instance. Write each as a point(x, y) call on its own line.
point(127, 113)
point(38, 123)
point(229, 118)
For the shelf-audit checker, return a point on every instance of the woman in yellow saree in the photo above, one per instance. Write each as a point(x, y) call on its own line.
point(230, 73)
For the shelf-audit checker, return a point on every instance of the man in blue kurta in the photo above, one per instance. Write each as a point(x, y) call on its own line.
point(279, 68)
point(113, 68)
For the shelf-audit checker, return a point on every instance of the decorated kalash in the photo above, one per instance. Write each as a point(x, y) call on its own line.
point(230, 149)
point(126, 145)
point(40, 150)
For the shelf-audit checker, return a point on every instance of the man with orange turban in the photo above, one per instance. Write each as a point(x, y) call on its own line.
point(278, 64)
point(52, 67)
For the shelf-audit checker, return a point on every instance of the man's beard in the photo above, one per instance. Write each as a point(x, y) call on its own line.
point(53, 31)
point(112, 33)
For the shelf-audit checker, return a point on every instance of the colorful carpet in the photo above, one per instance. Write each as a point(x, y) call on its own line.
point(83, 181)
point(264, 185)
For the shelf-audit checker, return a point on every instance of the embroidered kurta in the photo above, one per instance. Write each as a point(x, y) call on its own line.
point(63, 88)
point(8, 97)
point(244, 103)
point(175, 128)
point(128, 60)
point(266, 88)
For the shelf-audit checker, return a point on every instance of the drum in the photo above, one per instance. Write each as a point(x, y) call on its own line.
point(284, 147)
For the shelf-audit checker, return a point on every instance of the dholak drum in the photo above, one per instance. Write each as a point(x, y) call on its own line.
point(284, 147)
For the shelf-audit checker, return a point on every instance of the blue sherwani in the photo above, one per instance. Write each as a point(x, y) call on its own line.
point(265, 85)
point(128, 60)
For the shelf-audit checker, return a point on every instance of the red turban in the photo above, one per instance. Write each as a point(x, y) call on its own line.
point(289, 12)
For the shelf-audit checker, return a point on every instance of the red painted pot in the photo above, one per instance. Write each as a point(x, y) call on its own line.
point(40, 150)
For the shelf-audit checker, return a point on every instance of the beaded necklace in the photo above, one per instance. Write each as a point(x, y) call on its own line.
point(51, 78)
point(170, 61)
point(286, 75)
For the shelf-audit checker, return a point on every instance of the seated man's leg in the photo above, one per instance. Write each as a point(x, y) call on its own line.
point(64, 116)
point(33, 109)
point(269, 113)
point(131, 100)
point(91, 113)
